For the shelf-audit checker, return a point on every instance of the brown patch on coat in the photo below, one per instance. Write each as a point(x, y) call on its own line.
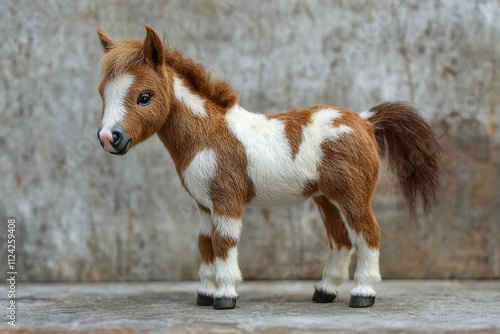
point(349, 174)
point(222, 245)
point(310, 188)
point(295, 120)
point(205, 242)
point(335, 227)
point(231, 188)
point(206, 250)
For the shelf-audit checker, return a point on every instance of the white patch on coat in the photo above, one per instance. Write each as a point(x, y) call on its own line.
point(208, 285)
point(193, 102)
point(115, 94)
point(227, 227)
point(198, 176)
point(279, 178)
point(228, 275)
point(366, 114)
point(367, 272)
point(320, 129)
point(336, 270)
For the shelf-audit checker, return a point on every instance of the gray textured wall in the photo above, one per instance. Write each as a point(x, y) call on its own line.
point(86, 215)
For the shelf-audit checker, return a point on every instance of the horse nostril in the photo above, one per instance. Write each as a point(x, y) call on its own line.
point(117, 138)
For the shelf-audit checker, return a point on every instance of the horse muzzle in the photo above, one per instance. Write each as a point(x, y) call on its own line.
point(114, 140)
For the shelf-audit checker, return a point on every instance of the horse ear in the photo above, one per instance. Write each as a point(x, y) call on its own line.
point(106, 40)
point(153, 48)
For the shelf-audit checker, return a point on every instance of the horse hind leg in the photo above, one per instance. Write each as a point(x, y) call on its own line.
point(364, 234)
point(336, 269)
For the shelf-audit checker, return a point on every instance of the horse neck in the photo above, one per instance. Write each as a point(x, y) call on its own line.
point(189, 125)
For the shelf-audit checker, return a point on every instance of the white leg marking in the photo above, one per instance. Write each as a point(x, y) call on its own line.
point(115, 93)
point(228, 275)
point(336, 270)
point(367, 272)
point(227, 227)
point(277, 177)
point(208, 284)
point(193, 102)
point(199, 175)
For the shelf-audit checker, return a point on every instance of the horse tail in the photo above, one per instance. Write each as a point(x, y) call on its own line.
point(412, 149)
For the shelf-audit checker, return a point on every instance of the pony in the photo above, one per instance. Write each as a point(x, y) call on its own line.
point(228, 158)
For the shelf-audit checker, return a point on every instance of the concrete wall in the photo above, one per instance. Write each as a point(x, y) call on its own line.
point(86, 215)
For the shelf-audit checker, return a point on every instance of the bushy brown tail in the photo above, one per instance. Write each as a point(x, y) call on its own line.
point(412, 149)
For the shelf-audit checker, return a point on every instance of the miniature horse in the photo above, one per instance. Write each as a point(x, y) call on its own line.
point(228, 158)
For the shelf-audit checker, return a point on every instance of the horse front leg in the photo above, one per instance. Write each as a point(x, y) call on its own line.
point(225, 236)
point(208, 285)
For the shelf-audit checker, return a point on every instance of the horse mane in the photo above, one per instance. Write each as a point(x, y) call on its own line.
point(217, 91)
point(129, 53)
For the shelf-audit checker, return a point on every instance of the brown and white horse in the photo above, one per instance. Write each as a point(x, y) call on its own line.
point(228, 158)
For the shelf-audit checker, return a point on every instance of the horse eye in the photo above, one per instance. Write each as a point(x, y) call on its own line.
point(144, 98)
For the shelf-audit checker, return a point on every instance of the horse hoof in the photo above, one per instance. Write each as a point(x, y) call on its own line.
point(204, 300)
point(361, 301)
point(323, 297)
point(224, 303)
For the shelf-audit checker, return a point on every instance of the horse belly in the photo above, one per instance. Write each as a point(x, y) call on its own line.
point(277, 183)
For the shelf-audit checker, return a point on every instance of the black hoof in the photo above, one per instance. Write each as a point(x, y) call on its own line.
point(224, 303)
point(360, 301)
point(204, 300)
point(323, 297)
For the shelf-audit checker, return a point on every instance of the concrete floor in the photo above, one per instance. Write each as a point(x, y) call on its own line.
point(408, 306)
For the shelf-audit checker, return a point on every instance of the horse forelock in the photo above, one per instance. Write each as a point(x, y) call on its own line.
point(124, 55)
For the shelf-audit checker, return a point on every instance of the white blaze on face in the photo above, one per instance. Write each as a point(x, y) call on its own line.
point(115, 93)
